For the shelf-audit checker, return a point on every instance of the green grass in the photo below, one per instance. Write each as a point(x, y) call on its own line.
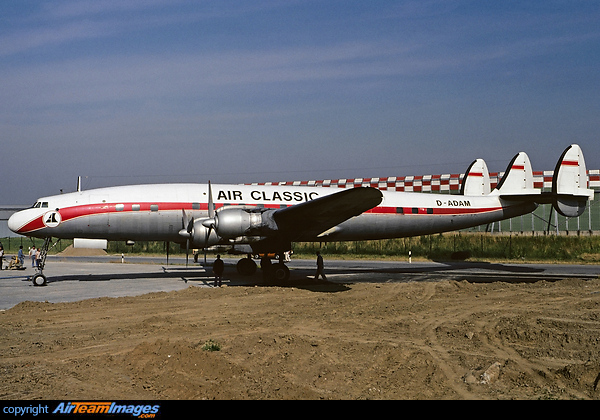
point(582, 248)
point(211, 345)
point(11, 246)
point(444, 247)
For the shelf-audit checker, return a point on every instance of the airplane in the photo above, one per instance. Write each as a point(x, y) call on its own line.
point(266, 220)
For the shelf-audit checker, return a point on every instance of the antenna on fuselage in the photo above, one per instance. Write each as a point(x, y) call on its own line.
point(78, 184)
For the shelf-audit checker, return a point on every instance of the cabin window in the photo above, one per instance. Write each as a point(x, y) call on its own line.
point(135, 207)
point(154, 207)
point(120, 207)
point(195, 206)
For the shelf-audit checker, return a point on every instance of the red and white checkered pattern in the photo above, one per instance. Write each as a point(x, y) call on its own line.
point(429, 183)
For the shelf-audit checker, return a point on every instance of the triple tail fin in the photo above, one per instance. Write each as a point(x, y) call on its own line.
point(476, 180)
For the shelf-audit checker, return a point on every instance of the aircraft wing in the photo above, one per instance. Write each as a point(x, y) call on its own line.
point(316, 216)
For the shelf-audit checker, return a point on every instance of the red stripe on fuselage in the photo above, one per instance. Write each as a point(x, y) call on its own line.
point(32, 225)
point(445, 211)
point(90, 210)
point(76, 212)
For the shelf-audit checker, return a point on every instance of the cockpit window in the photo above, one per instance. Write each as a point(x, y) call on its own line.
point(38, 204)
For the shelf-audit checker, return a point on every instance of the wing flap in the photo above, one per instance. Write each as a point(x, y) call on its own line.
point(313, 217)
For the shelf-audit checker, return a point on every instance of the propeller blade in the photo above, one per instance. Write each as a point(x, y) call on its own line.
point(184, 219)
point(210, 222)
point(187, 251)
point(187, 226)
point(211, 204)
point(206, 244)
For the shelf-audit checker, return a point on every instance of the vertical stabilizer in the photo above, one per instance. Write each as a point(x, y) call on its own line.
point(518, 177)
point(570, 183)
point(476, 180)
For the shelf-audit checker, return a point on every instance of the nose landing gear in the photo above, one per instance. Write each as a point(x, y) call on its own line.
point(39, 279)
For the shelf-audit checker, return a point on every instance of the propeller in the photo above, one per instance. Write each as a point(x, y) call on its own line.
point(210, 222)
point(187, 225)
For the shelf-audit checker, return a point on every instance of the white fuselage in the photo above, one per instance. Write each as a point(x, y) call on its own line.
point(154, 211)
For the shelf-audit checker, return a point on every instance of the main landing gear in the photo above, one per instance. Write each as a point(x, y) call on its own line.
point(277, 272)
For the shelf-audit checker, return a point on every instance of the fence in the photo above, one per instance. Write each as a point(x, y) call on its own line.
point(544, 220)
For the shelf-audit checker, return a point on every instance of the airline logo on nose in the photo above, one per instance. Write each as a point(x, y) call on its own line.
point(52, 219)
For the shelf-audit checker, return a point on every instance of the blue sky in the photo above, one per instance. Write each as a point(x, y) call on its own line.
point(141, 91)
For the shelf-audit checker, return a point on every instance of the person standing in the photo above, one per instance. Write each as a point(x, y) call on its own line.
point(218, 268)
point(20, 257)
point(320, 267)
point(32, 255)
point(1, 256)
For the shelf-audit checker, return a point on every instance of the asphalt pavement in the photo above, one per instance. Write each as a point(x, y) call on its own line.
point(78, 278)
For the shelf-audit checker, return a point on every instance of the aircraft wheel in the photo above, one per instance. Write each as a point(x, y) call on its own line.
point(281, 272)
point(39, 280)
point(246, 267)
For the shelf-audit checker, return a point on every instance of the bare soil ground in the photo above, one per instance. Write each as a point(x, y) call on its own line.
point(428, 340)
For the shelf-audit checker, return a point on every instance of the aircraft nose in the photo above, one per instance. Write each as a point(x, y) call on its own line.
point(16, 221)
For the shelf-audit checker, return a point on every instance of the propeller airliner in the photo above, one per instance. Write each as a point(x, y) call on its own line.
point(266, 220)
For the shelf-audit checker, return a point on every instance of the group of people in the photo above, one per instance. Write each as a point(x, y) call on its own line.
point(20, 257)
point(219, 267)
point(34, 254)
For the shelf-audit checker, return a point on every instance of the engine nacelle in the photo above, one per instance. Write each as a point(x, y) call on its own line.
point(199, 239)
point(235, 222)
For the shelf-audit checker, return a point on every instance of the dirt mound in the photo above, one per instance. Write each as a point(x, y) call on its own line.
point(71, 251)
point(417, 340)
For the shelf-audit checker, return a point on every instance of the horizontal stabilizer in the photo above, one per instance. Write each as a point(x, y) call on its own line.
point(476, 180)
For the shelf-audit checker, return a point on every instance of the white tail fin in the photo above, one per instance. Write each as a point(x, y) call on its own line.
point(476, 180)
point(570, 183)
point(518, 177)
